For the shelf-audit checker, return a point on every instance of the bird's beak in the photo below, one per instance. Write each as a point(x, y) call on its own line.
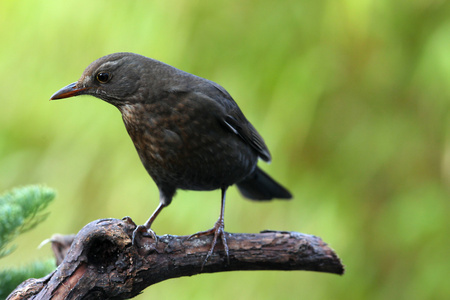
point(68, 91)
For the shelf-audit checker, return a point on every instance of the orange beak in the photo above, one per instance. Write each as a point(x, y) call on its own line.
point(68, 91)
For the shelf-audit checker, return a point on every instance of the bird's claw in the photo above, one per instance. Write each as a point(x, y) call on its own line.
point(144, 231)
point(217, 230)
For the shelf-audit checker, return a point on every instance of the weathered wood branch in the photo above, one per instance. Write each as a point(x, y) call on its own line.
point(102, 263)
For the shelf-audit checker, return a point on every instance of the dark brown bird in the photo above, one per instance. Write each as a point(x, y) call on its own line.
point(188, 131)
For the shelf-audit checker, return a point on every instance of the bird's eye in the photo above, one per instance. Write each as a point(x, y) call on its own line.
point(103, 77)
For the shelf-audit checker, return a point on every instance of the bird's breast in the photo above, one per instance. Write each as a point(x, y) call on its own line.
point(187, 146)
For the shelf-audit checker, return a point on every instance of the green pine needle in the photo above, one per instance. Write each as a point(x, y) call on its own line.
point(10, 278)
point(20, 210)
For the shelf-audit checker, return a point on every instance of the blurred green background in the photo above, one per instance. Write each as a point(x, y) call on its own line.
point(352, 98)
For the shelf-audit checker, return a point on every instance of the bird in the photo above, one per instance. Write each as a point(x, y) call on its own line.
point(188, 132)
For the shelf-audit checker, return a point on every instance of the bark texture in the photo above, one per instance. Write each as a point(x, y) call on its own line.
point(102, 263)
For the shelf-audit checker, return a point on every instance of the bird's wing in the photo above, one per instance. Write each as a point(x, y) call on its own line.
point(235, 121)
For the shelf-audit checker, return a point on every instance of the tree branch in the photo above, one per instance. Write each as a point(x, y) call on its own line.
point(102, 263)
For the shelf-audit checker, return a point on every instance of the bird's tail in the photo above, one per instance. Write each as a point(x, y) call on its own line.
point(260, 186)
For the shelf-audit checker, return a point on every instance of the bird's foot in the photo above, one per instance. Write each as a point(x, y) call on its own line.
point(144, 231)
point(218, 231)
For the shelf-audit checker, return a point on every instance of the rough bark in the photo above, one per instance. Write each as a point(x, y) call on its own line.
point(102, 263)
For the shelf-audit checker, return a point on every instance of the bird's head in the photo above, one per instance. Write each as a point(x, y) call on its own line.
point(115, 78)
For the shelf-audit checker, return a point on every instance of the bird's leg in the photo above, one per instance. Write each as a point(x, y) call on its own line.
point(145, 229)
point(217, 230)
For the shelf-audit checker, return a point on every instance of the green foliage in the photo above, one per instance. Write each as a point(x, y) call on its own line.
point(21, 210)
point(11, 277)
